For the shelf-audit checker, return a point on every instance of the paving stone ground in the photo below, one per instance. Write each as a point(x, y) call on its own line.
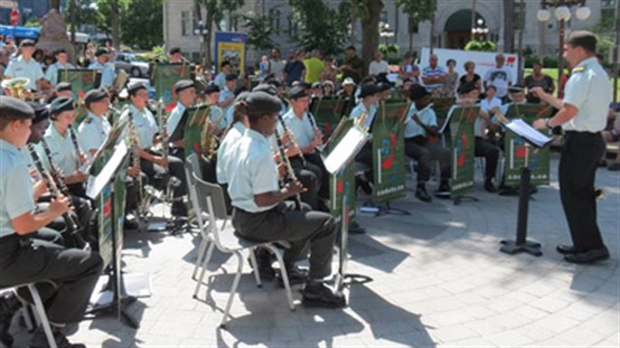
point(438, 281)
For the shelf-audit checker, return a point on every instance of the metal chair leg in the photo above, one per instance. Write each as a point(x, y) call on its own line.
point(233, 289)
point(255, 268)
point(287, 286)
point(201, 253)
point(42, 316)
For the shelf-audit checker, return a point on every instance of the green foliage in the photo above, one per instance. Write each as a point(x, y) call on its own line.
point(483, 46)
point(32, 23)
point(388, 49)
point(260, 30)
point(418, 10)
point(321, 27)
point(142, 23)
point(156, 55)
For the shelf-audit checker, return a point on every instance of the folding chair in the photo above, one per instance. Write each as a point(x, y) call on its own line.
point(208, 198)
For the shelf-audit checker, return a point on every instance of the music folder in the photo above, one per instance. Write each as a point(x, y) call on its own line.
point(528, 133)
point(346, 150)
point(179, 132)
point(96, 184)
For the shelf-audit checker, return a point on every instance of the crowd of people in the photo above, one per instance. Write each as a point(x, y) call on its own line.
point(253, 122)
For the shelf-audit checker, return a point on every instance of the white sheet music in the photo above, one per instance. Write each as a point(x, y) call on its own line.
point(528, 133)
point(346, 150)
point(96, 184)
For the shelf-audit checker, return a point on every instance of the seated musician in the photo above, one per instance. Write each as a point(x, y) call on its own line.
point(212, 97)
point(384, 91)
point(421, 122)
point(175, 55)
point(25, 66)
point(62, 90)
point(227, 95)
point(261, 211)
point(367, 107)
point(107, 70)
point(186, 97)
point(74, 272)
point(153, 163)
point(516, 94)
point(61, 64)
point(316, 90)
point(468, 95)
point(308, 138)
point(348, 88)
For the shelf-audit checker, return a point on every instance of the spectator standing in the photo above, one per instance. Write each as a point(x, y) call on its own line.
point(500, 77)
point(276, 64)
point(294, 70)
point(329, 71)
point(352, 66)
point(433, 75)
point(220, 78)
point(89, 55)
point(408, 70)
point(378, 65)
point(471, 76)
point(538, 79)
point(263, 66)
point(314, 67)
point(451, 80)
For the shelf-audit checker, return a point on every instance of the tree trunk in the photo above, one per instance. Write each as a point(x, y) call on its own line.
point(509, 26)
point(73, 20)
point(55, 4)
point(370, 31)
point(207, 41)
point(353, 25)
point(432, 38)
point(116, 26)
point(520, 43)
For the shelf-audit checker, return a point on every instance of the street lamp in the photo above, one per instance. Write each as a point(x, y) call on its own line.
point(202, 31)
point(386, 33)
point(562, 13)
point(480, 31)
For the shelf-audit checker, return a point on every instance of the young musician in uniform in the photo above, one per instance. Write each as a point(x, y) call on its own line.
point(227, 93)
point(369, 99)
point(59, 66)
point(186, 97)
point(261, 211)
point(422, 122)
point(62, 90)
point(74, 272)
point(582, 115)
point(26, 66)
point(212, 97)
point(107, 71)
point(153, 163)
point(176, 56)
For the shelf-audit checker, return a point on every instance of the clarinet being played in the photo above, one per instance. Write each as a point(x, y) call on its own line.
point(290, 174)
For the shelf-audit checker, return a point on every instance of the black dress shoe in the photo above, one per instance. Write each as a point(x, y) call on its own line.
point(296, 275)
point(422, 195)
point(587, 257)
point(318, 295)
point(489, 186)
point(8, 306)
point(566, 249)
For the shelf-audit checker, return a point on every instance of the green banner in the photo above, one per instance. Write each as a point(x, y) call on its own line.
point(343, 183)
point(388, 149)
point(463, 149)
point(196, 122)
point(82, 81)
point(164, 76)
point(327, 112)
point(539, 160)
point(442, 106)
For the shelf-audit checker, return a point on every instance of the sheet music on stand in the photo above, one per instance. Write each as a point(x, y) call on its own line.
point(346, 150)
point(96, 184)
point(528, 133)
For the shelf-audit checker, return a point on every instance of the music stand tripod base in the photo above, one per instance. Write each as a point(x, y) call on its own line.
point(459, 199)
point(387, 209)
point(511, 247)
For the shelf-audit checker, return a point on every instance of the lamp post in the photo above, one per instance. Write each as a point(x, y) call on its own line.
point(202, 31)
point(386, 33)
point(562, 13)
point(480, 31)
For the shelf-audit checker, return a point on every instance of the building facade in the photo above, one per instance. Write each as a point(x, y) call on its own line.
point(451, 27)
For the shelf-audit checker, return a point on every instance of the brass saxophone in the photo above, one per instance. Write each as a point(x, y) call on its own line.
point(209, 140)
point(143, 201)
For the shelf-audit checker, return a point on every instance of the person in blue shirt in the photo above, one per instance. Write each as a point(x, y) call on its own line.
point(186, 97)
point(108, 75)
point(294, 70)
point(369, 98)
point(220, 78)
point(59, 66)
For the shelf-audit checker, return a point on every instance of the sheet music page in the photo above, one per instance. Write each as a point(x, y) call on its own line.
point(528, 132)
point(346, 149)
point(96, 184)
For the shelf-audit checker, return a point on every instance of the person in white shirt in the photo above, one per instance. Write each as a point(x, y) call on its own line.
point(61, 64)
point(500, 77)
point(378, 65)
point(26, 66)
point(276, 64)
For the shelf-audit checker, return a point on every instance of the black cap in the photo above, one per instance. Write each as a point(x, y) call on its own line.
point(14, 108)
point(212, 88)
point(263, 102)
point(26, 43)
point(369, 90)
point(241, 97)
point(265, 87)
point(516, 88)
point(134, 86)
point(61, 104)
point(41, 112)
point(183, 84)
point(417, 92)
point(582, 38)
point(231, 77)
point(94, 96)
point(297, 92)
point(59, 51)
point(275, 83)
point(466, 88)
point(63, 87)
point(383, 86)
point(101, 51)
point(174, 50)
point(351, 48)
point(240, 89)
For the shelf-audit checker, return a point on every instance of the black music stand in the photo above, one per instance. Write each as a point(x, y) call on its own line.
point(536, 139)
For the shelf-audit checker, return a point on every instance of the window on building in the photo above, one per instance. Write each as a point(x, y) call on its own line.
point(276, 21)
point(186, 23)
point(608, 4)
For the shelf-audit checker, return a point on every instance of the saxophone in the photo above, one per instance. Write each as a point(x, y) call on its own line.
point(208, 138)
point(143, 201)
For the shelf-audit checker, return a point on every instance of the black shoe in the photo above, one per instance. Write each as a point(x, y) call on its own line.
point(265, 270)
point(355, 228)
point(130, 224)
point(587, 257)
point(179, 210)
point(318, 295)
point(295, 275)
point(422, 195)
point(8, 306)
point(602, 163)
point(614, 167)
point(489, 186)
point(39, 340)
point(566, 249)
point(443, 191)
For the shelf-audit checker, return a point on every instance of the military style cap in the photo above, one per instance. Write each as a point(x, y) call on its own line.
point(275, 83)
point(231, 77)
point(263, 102)
point(94, 96)
point(212, 88)
point(240, 89)
point(316, 84)
point(101, 51)
point(383, 86)
point(466, 88)
point(134, 86)
point(297, 92)
point(41, 112)
point(14, 108)
point(241, 97)
point(516, 88)
point(59, 51)
point(369, 90)
point(63, 87)
point(61, 104)
point(26, 43)
point(582, 38)
point(182, 85)
point(417, 92)
point(265, 87)
point(174, 50)
point(328, 83)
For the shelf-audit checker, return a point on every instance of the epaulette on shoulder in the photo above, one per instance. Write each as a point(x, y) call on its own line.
point(579, 69)
point(88, 120)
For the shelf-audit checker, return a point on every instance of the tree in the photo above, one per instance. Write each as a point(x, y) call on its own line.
point(215, 10)
point(142, 23)
point(259, 30)
point(370, 16)
point(509, 26)
point(109, 19)
point(418, 11)
point(322, 28)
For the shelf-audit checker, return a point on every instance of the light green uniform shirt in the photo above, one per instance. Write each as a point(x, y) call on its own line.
point(52, 71)
point(92, 133)
point(64, 153)
point(16, 192)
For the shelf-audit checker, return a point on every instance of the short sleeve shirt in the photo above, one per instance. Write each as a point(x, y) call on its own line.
point(225, 94)
point(253, 171)
point(52, 71)
point(301, 127)
point(360, 109)
point(107, 73)
point(218, 115)
point(375, 68)
point(145, 125)
point(16, 192)
point(226, 148)
point(64, 153)
point(427, 116)
point(589, 90)
point(92, 133)
point(30, 70)
point(220, 80)
point(501, 78)
point(175, 118)
point(433, 72)
point(485, 105)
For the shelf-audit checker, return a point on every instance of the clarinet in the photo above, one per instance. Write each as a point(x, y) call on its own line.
point(78, 155)
point(161, 120)
point(73, 225)
point(290, 174)
point(293, 140)
point(316, 129)
point(55, 171)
